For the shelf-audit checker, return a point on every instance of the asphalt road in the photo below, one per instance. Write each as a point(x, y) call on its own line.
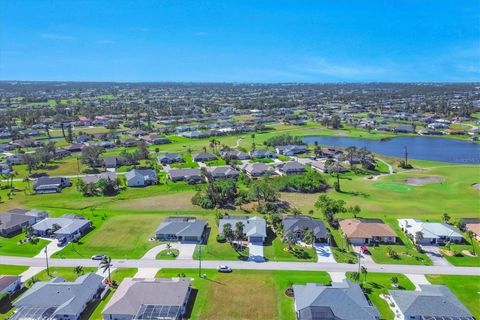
point(300, 266)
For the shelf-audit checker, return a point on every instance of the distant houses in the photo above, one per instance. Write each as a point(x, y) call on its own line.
point(342, 300)
point(262, 154)
point(430, 232)
point(158, 298)
point(204, 157)
point(255, 170)
point(183, 229)
point(58, 299)
point(291, 150)
point(367, 231)
point(169, 158)
point(188, 175)
point(223, 172)
point(291, 167)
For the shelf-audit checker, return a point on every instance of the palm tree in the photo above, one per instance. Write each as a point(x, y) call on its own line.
point(470, 234)
point(169, 246)
point(106, 264)
point(364, 271)
point(78, 270)
point(418, 236)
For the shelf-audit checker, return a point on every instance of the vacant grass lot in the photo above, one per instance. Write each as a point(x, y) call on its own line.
point(6, 269)
point(119, 236)
point(222, 296)
point(66, 273)
point(466, 288)
point(379, 283)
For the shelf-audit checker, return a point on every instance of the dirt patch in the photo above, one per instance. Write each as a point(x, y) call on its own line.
point(447, 252)
point(468, 253)
point(174, 201)
point(423, 181)
point(476, 186)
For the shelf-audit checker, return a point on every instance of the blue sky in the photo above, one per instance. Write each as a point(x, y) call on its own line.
point(240, 41)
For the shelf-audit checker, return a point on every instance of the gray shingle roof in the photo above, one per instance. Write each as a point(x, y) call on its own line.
point(344, 299)
point(298, 223)
point(432, 302)
point(252, 227)
point(67, 226)
point(182, 227)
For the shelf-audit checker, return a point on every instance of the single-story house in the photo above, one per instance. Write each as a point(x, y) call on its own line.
point(155, 139)
point(323, 166)
point(51, 184)
point(204, 157)
point(158, 298)
point(254, 228)
point(430, 232)
point(297, 224)
point(342, 300)
point(235, 155)
point(224, 172)
point(430, 302)
point(111, 162)
point(291, 167)
point(291, 150)
point(261, 154)
point(255, 170)
point(9, 284)
point(330, 152)
point(141, 177)
point(5, 168)
point(367, 231)
point(15, 158)
point(76, 147)
point(181, 229)
point(57, 299)
point(64, 229)
point(94, 178)
point(14, 220)
point(169, 158)
point(189, 175)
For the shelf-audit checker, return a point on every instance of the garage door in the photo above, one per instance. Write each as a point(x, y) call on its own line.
point(256, 239)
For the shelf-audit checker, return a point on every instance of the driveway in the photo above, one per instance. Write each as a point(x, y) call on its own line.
point(52, 247)
point(417, 280)
point(363, 257)
point(324, 253)
point(146, 273)
point(186, 250)
point(255, 250)
point(433, 252)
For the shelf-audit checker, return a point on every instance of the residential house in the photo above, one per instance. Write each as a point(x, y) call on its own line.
point(262, 154)
point(141, 177)
point(189, 175)
point(76, 147)
point(256, 170)
point(298, 224)
point(291, 167)
point(113, 162)
point(15, 158)
point(291, 150)
point(63, 229)
point(235, 155)
point(130, 143)
point(330, 153)
point(158, 298)
point(342, 300)
point(224, 172)
point(367, 231)
point(169, 158)
point(12, 222)
point(51, 184)
point(254, 228)
point(187, 229)
point(430, 302)
point(155, 139)
point(58, 299)
point(5, 168)
point(204, 157)
point(9, 284)
point(323, 165)
point(94, 178)
point(430, 232)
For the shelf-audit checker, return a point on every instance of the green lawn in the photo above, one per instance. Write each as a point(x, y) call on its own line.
point(405, 256)
point(262, 289)
point(466, 288)
point(379, 283)
point(460, 256)
point(6, 269)
point(274, 250)
point(12, 247)
point(66, 273)
point(216, 163)
point(187, 163)
point(168, 254)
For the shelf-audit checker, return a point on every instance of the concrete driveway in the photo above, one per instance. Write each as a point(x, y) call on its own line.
point(324, 253)
point(255, 251)
point(186, 250)
point(433, 252)
point(52, 247)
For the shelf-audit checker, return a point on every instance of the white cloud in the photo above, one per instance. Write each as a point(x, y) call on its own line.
point(55, 36)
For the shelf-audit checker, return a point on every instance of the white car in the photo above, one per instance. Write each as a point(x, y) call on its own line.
point(98, 257)
point(225, 269)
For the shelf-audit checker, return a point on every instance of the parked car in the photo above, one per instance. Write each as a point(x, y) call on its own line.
point(98, 257)
point(364, 249)
point(224, 269)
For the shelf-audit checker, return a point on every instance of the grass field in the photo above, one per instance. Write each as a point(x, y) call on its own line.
point(168, 254)
point(12, 247)
point(65, 272)
point(232, 295)
point(379, 283)
point(6, 269)
point(460, 258)
point(466, 288)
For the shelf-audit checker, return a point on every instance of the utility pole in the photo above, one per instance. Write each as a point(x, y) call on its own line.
point(406, 155)
point(200, 261)
point(46, 259)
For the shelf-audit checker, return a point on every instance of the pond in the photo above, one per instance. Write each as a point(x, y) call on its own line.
point(421, 148)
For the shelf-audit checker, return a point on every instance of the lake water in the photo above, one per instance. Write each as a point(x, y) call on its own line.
point(421, 148)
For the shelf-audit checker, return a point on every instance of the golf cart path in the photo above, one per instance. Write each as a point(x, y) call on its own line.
point(390, 170)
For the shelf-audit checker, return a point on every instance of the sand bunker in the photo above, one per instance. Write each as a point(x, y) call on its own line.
point(423, 181)
point(476, 186)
